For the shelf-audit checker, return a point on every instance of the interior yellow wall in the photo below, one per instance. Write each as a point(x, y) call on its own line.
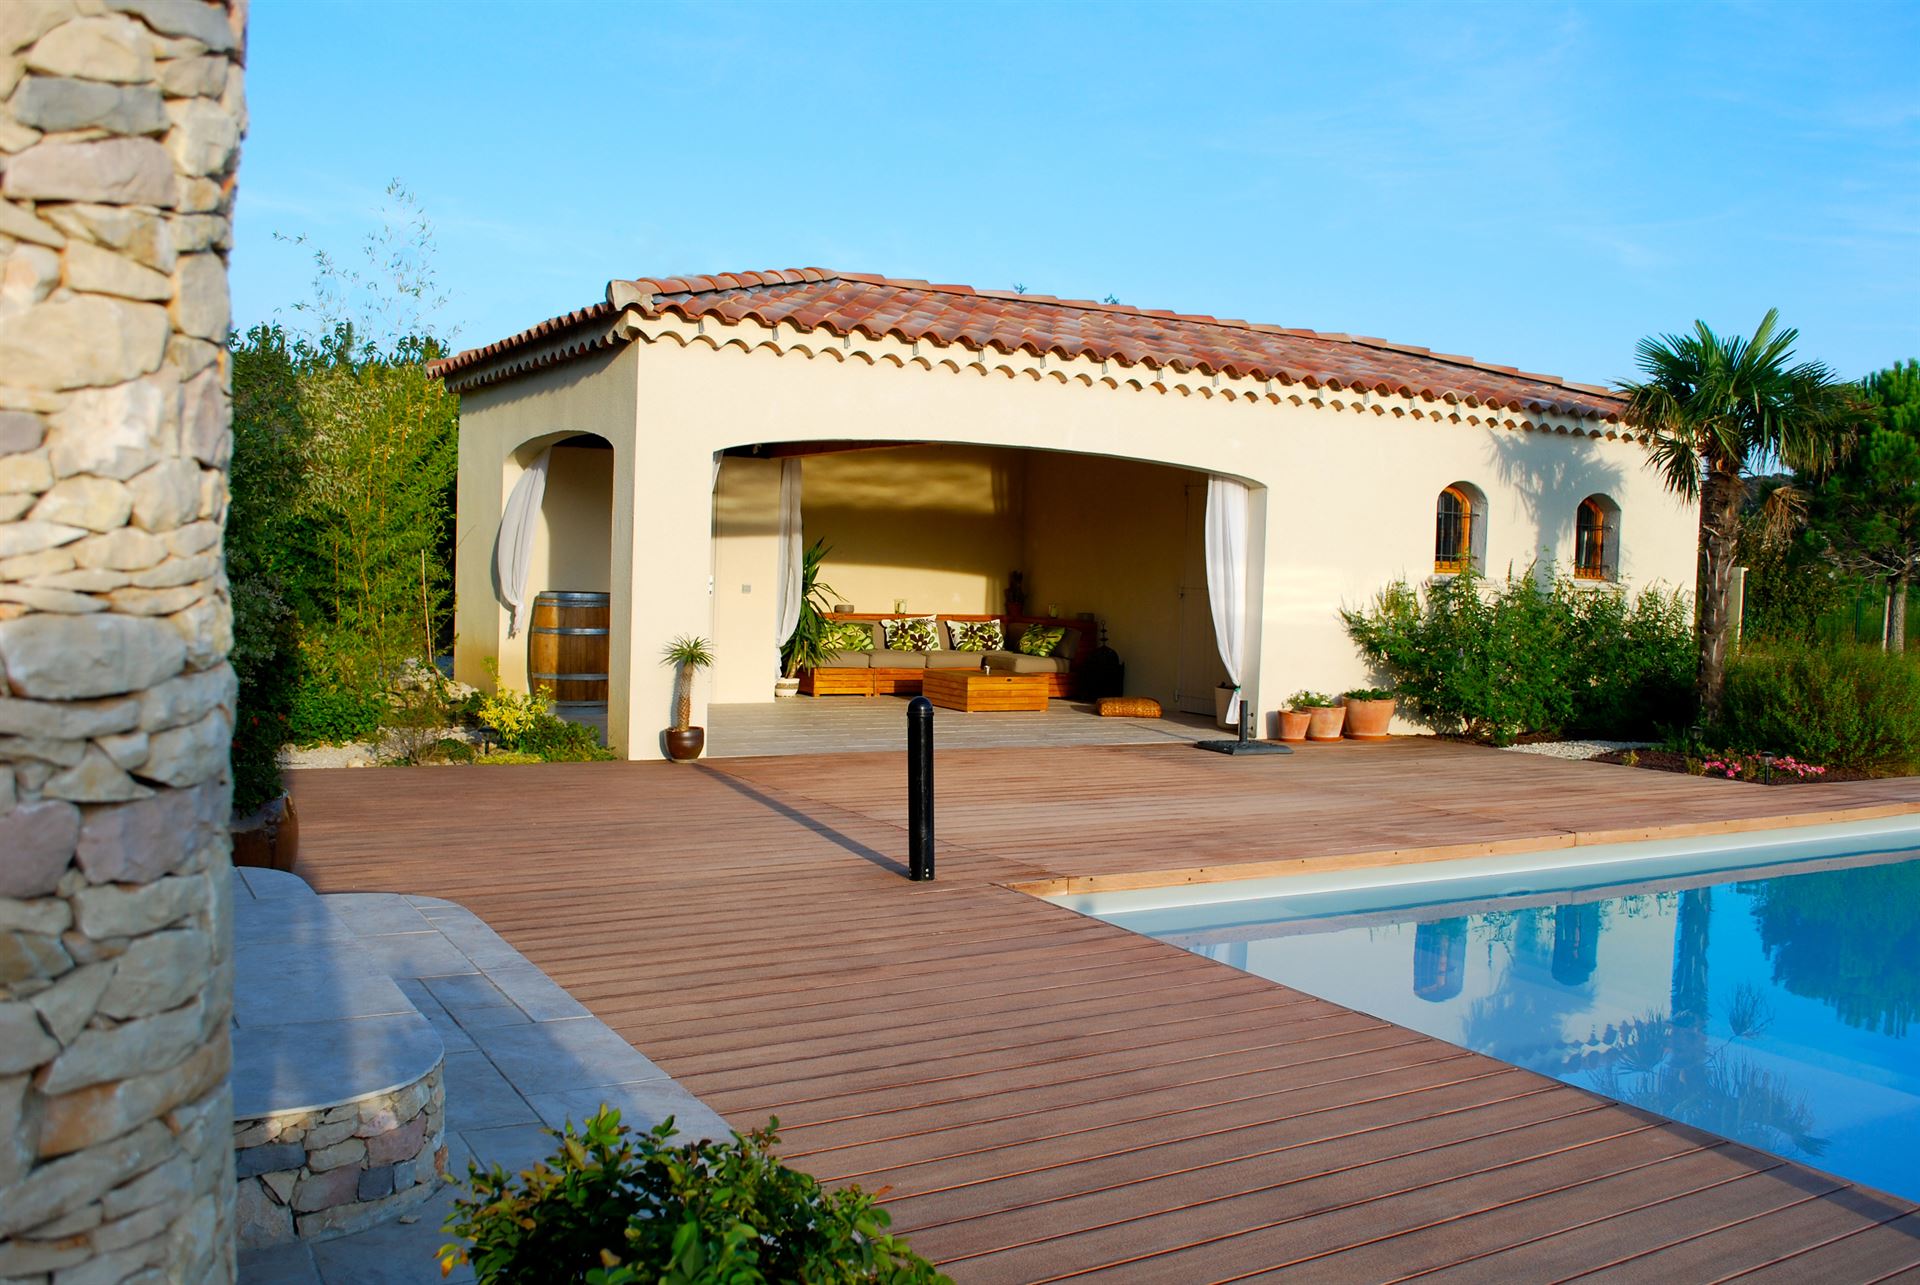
point(1109, 536)
point(746, 591)
point(573, 545)
point(936, 526)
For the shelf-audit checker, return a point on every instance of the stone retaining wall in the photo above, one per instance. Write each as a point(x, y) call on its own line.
point(120, 123)
point(316, 1174)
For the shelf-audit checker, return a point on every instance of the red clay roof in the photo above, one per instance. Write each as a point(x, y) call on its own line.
point(847, 303)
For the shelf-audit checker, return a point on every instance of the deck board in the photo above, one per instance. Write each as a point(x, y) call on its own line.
point(1045, 1095)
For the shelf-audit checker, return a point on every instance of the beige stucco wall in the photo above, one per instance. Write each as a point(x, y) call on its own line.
point(1343, 502)
point(503, 429)
point(746, 530)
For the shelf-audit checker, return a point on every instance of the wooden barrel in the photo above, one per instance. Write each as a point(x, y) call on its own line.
point(567, 645)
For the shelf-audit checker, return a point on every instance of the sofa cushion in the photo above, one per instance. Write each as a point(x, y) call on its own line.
point(1012, 662)
point(847, 660)
point(849, 635)
point(975, 635)
point(897, 659)
point(1042, 640)
point(954, 659)
point(912, 633)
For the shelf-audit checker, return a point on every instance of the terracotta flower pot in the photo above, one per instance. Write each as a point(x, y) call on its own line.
point(269, 838)
point(1293, 724)
point(1324, 722)
point(685, 743)
point(1369, 720)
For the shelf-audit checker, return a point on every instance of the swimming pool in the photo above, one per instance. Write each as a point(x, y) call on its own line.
point(1764, 987)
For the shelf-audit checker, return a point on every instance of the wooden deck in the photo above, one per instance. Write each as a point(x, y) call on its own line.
point(1043, 1095)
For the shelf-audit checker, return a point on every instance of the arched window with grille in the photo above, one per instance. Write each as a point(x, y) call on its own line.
point(1459, 538)
point(1596, 539)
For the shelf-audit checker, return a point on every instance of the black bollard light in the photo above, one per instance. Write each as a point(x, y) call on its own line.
point(919, 789)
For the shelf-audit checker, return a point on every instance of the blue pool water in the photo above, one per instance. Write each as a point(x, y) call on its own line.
point(1776, 1003)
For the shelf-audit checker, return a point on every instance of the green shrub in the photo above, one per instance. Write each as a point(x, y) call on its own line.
point(526, 724)
point(1853, 707)
point(615, 1208)
point(321, 715)
point(1496, 661)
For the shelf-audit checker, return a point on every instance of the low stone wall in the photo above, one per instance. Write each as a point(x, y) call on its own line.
point(316, 1174)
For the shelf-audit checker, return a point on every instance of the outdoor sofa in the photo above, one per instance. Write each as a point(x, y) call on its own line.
point(877, 671)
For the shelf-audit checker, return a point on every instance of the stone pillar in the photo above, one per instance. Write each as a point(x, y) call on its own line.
point(118, 140)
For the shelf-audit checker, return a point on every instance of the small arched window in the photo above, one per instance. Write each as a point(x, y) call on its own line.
point(1596, 539)
point(1459, 530)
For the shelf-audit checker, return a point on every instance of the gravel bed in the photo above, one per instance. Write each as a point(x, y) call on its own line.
point(1577, 749)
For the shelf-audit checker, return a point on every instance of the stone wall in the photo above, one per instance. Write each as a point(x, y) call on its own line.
point(118, 137)
point(317, 1174)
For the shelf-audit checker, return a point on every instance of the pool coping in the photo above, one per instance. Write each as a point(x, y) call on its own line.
point(1363, 858)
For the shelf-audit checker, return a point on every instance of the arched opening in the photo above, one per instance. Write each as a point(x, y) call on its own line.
point(1459, 542)
point(1596, 539)
point(971, 542)
point(566, 616)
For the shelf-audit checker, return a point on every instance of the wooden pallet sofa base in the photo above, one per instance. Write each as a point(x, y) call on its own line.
point(898, 681)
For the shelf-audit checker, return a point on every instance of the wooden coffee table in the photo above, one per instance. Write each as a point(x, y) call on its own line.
point(974, 692)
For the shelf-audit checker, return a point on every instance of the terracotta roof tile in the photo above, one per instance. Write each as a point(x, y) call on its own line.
point(848, 303)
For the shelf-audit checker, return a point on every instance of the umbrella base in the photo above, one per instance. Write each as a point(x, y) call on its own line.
point(1244, 747)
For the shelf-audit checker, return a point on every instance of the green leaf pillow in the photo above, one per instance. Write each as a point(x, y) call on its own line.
point(849, 635)
point(1041, 640)
point(912, 633)
point(976, 635)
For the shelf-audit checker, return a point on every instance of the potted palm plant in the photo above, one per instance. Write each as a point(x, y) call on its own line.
point(807, 648)
point(686, 654)
point(1369, 713)
point(1325, 715)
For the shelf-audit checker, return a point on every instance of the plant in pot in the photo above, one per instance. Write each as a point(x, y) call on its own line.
point(686, 654)
point(1369, 713)
point(1325, 715)
point(1294, 719)
point(806, 647)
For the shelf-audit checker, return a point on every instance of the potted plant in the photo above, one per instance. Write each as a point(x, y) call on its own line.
point(1293, 723)
point(806, 648)
point(1369, 713)
point(1325, 715)
point(686, 654)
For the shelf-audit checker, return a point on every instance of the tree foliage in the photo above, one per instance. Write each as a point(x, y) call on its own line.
point(1866, 514)
point(340, 529)
point(1716, 407)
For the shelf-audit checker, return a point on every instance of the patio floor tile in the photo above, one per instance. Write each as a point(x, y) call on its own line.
point(573, 1053)
point(278, 1265)
point(479, 1097)
point(416, 954)
point(512, 1146)
point(641, 1106)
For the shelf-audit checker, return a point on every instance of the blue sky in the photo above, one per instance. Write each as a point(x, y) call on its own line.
point(1533, 184)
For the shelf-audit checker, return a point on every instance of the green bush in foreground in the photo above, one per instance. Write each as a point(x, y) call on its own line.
point(1496, 660)
point(1853, 707)
point(616, 1208)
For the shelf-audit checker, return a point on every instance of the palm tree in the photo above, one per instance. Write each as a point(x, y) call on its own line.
point(686, 654)
point(1713, 408)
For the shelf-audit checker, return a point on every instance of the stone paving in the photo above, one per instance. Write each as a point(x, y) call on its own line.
point(521, 1055)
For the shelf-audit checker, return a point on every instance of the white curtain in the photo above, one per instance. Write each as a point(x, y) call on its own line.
point(513, 551)
point(792, 554)
point(1227, 577)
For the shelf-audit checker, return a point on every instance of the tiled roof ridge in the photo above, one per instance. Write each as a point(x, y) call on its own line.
point(644, 294)
point(714, 282)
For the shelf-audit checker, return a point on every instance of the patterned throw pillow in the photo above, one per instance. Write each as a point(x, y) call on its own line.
point(1041, 640)
point(912, 633)
point(976, 635)
point(849, 635)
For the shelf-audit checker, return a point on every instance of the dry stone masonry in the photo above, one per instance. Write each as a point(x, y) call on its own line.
point(316, 1174)
point(119, 133)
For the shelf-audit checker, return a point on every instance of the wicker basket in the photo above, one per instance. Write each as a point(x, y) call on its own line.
point(1128, 707)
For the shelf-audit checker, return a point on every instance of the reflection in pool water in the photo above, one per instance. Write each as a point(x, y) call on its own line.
point(1778, 1011)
